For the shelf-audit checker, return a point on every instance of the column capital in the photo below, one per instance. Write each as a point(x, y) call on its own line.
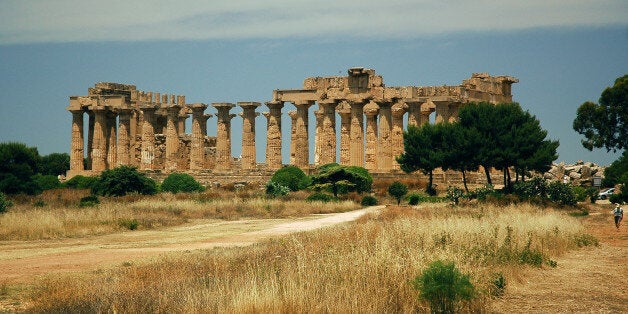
point(344, 109)
point(223, 105)
point(274, 104)
point(371, 109)
point(198, 106)
point(399, 108)
point(249, 104)
point(303, 103)
point(428, 106)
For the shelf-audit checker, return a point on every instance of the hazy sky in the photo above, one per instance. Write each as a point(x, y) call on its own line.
point(563, 52)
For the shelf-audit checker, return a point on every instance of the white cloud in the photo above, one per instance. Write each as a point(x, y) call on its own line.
point(76, 20)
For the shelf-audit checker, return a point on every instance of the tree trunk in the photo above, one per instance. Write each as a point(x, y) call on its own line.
point(464, 181)
point(487, 171)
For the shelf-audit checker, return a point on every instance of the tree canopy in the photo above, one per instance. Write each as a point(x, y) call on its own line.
point(342, 179)
point(605, 124)
point(18, 164)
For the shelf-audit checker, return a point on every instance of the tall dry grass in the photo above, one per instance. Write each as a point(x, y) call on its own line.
point(61, 217)
point(360, 267)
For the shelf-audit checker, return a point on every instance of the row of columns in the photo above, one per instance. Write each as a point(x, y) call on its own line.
point(109, 143)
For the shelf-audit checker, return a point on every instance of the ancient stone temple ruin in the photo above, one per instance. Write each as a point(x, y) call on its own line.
point(127, 126)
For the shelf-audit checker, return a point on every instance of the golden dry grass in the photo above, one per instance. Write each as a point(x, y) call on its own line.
point(61, 217)
point(360, 267)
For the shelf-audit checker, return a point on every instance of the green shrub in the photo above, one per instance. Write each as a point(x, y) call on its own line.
point(531, 188)
point(292, 177)
point(46, 182)
point(39, 203)
point(124, 180)
point(454, 194)
point(181, 182)
point(89, 201)
point(274, 189)
point(443, 286)
point(339, 179)
point(4, 203)
point(81, 182)
point(482, 193)
point(593, 193)
point(320, 197)
point(397, 190)
point(368, 201)
point(580, 193)
point(561, 193)
point(416, 198)
point(130, 224)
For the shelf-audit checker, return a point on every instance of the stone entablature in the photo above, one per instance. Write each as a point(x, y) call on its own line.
point(127, 126)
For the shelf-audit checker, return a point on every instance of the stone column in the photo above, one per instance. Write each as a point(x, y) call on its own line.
point(293, 135)
point(248, 134)
point(90, 138)
point(273, 143)
point(76, 149)
point(453, 112)
point(398, 110)
point(344, 110)
point(328, 132)
point(197, 145)
point(414, 113)
point(371, 110)
point(357, 134)
point(302, 137)
point(148, 137)
point(385, 154)
point(172, 138)
point(112, 139)
point(124, 137)
point(99, 142)
point(319, 137)
point(442, 112)
point(223, 136)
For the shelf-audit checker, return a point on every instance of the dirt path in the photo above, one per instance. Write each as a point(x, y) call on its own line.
point(24, 261)
point(589, 280)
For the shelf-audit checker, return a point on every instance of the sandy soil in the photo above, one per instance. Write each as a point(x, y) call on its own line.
point(589, 280)
point(24, 261)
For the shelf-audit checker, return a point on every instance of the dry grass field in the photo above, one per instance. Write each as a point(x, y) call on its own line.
point(364, 266)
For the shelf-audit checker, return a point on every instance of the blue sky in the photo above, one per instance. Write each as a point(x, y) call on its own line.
point(563, 52)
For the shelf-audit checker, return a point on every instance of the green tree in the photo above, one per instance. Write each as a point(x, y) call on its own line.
point(181, 182)
point(123, 180)
point(605, 125)
point(461, 148)
point(55, 164)
point(397, 190)
point(18, 164)
point(423, 150)
point(480, 119)
point(340, 179)
point(614, 172)
point(292, 177)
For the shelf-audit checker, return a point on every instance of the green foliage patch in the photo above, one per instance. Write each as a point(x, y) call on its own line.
point(124, 180)
point(181, 182)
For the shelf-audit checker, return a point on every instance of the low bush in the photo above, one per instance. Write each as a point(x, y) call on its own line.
point(4, 203)
point(46, 182)
point(397, 190)
point(81, 182)
point(443, 286)
point(454, 194)
point(274, 189)
point(561, 193)
point(292, 177)
point(181, 182)
point(415, 198)
point(368, 201)
point(124, 180)
point(89, 201)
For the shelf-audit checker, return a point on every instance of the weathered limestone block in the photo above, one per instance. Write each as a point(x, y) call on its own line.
point(124, 137)
point(302, 154)
point(328, 131)
point(197, 144)
point(76, 149)
point(293, 134)
point(148, 138)
point(172, 138)
point(357, 134)
point(99, 142)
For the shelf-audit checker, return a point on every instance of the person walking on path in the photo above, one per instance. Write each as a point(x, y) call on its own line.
point(618, 212)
